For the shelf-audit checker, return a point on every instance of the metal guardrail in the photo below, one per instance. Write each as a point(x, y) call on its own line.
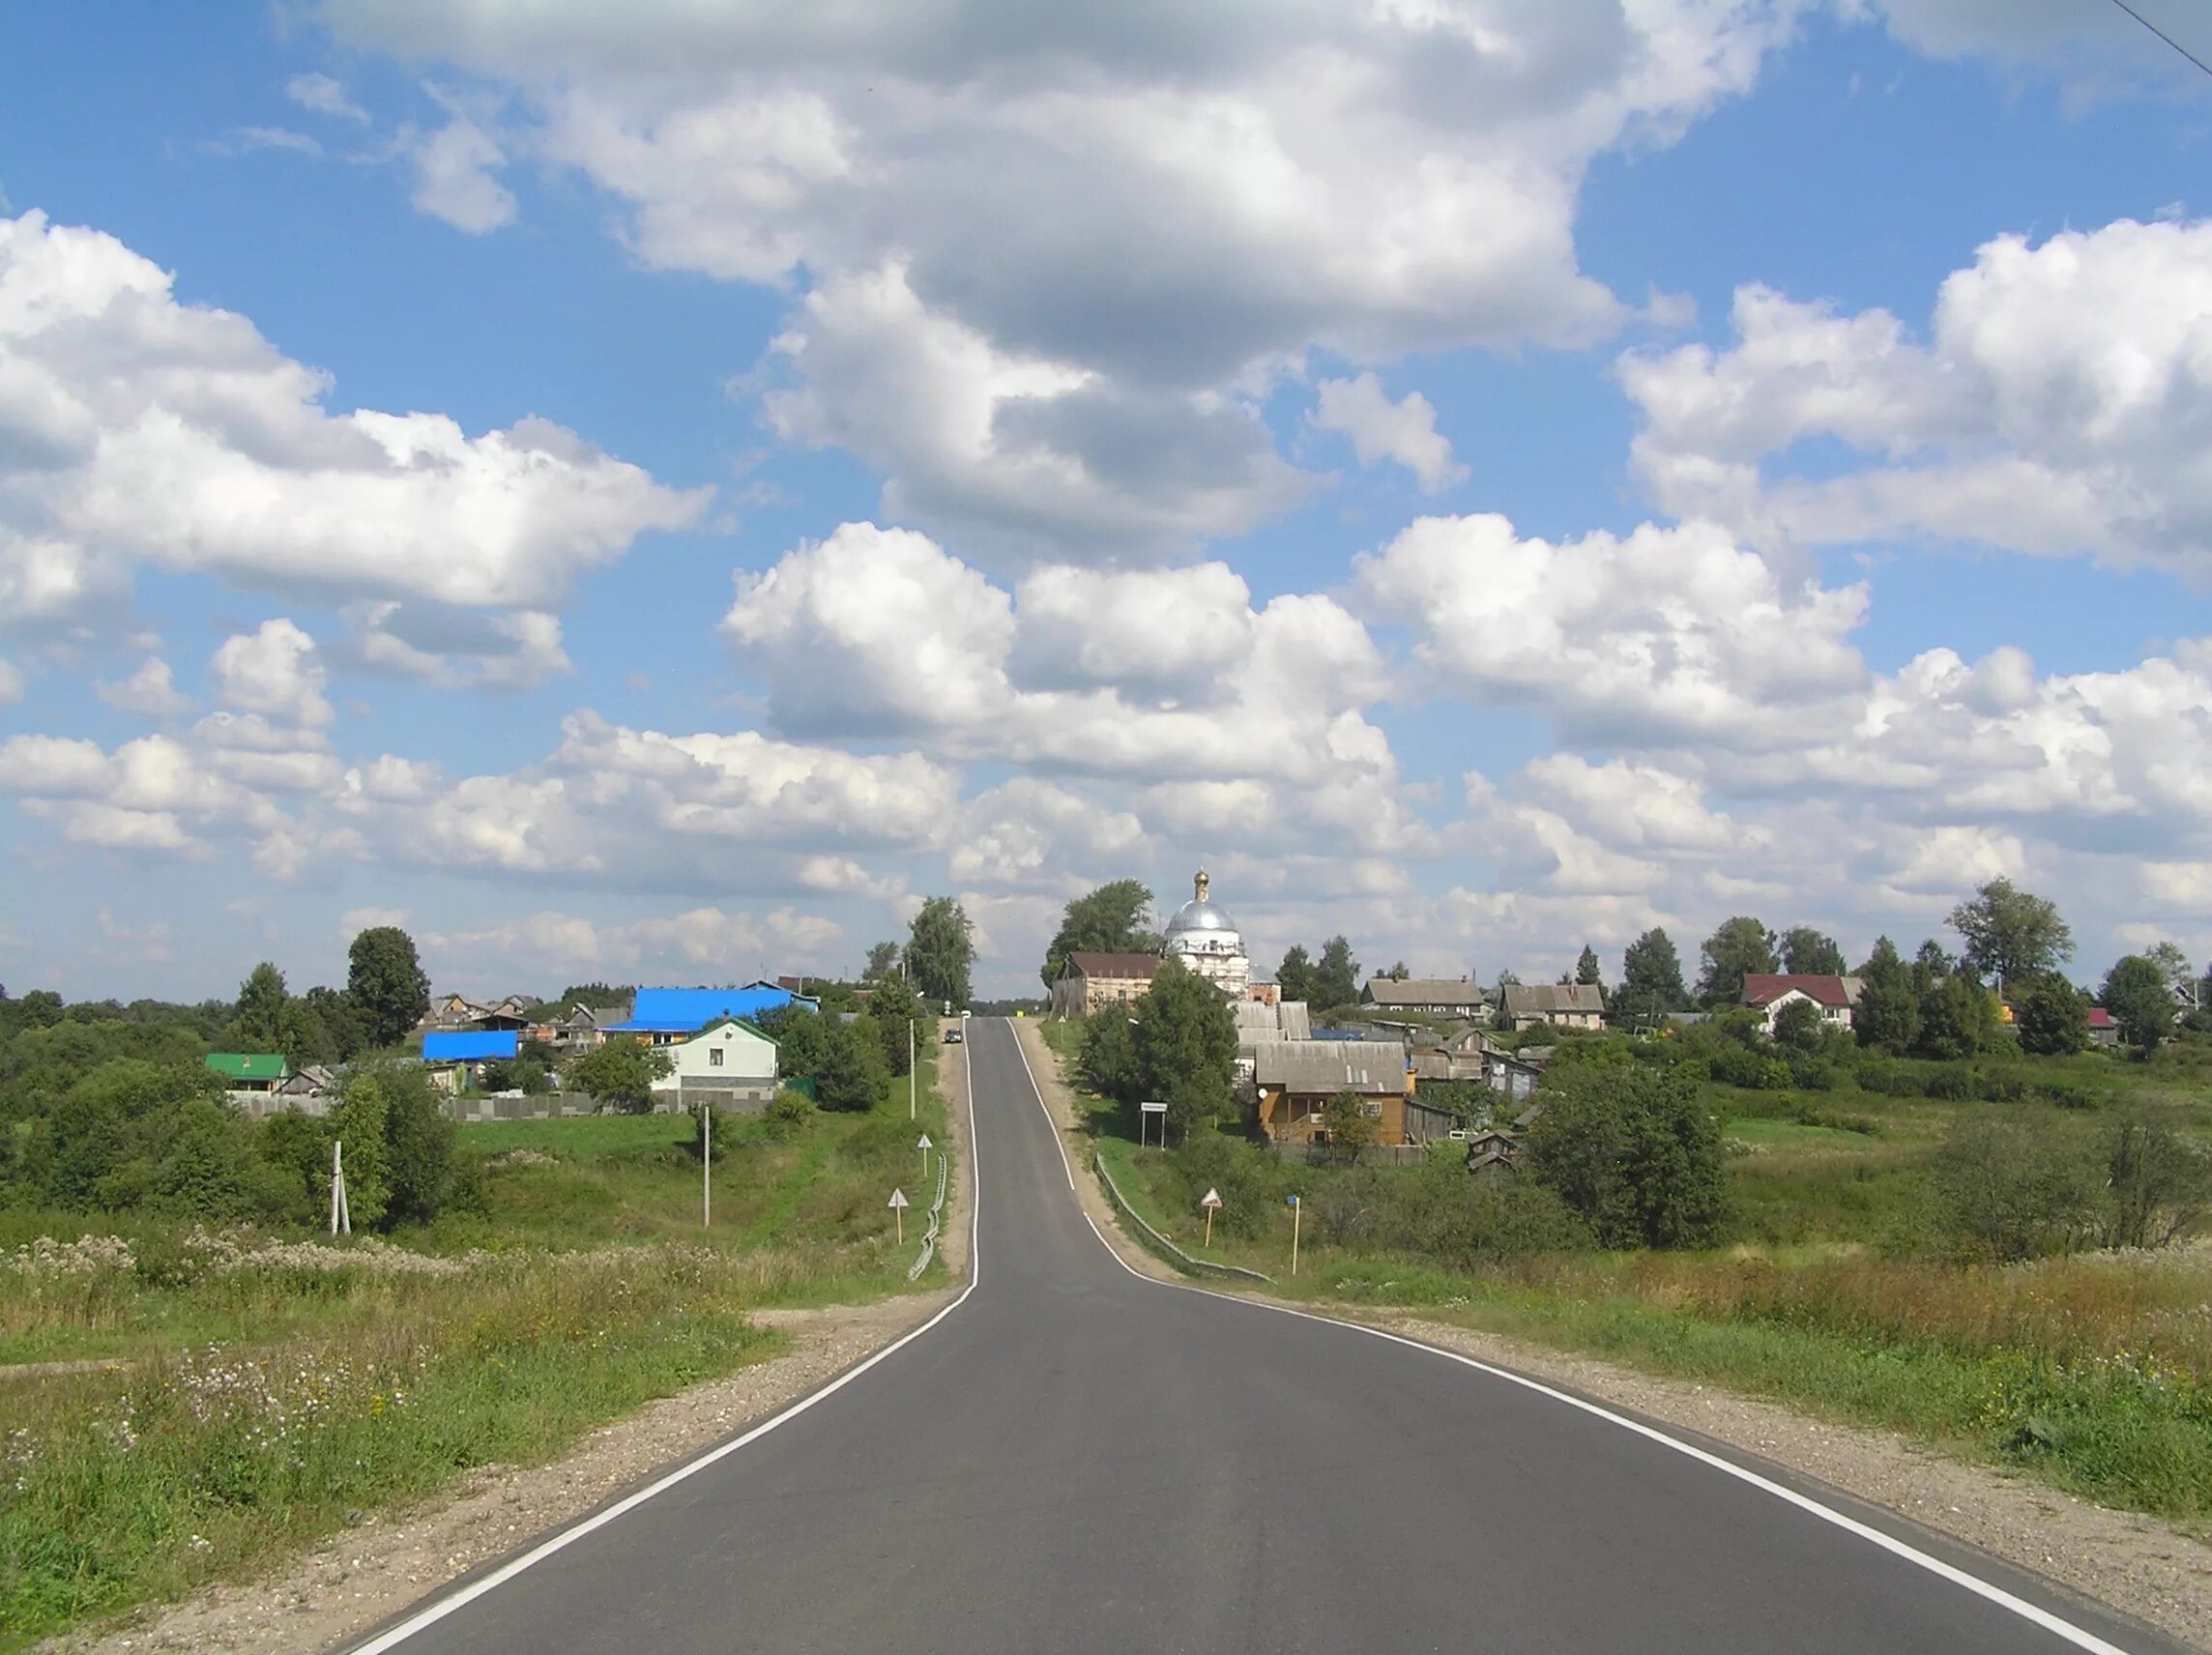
point(1176, 1254)
point(929, 1235)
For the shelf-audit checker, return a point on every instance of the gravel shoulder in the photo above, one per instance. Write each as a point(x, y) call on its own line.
point(327, 1597)
point(2135, 1564)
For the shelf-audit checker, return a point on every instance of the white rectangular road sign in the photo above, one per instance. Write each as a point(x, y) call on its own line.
point(1152, 1108)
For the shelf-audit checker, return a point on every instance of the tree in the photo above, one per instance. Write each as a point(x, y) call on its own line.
point(1807, 953)
point(1294, 976)
point(1107, 1058)
point(594, 993)
point(1350, 1127)
point(1957, 1017)
point(1739, 947)
point(2159, 1182)
point(1887, 1015)
point(1184, 1037)
point(2009, 1188)
point(2007, 932)
point(1336, 979)
point(1633, 1151)
point(619, 1075)
point(1587, 970)
point(1112, 919)
point(401, 1153)
point(1800, 1027)
point(2050, 1013)
point(797, 1031)
point(1651, 977)
point(341, 1022)
point(849, 1075)
point(940, 949)
point(1397, 972)
point(2181, 976)
point(894, 1013)
point(2136, 995)
point(883, 962)
point(386, 982)
point(258, 1026)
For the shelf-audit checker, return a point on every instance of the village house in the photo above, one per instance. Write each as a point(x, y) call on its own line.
point(1088, 983)
point(1564, 1005)
point(1768, 992)
point(251, 1071)
point(729, 1063)
point(578, 1028)
point(669, 1016)
point(1294, 1081)
point(1438, 997)
point(2104, 1032)
point(453, 1054)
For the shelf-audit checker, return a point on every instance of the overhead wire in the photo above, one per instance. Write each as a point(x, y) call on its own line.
point(2164, 36)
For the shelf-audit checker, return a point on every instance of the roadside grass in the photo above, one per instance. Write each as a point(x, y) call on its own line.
point(271, 1390)
point(2091, 1374)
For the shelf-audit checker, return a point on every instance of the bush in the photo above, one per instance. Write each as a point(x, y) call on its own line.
point(1633, 1152)
point(2009, 1188)
point(789, 1111)
point(1953, 1083)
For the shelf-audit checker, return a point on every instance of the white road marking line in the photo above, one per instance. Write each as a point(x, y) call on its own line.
point(2079, 1637)
point(569, 1536)
point(1037, 1092)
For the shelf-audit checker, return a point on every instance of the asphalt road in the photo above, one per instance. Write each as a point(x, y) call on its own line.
point(1075, 1459)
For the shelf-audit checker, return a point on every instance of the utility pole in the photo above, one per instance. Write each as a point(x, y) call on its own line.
point(910, 1100)
point(706, 1166)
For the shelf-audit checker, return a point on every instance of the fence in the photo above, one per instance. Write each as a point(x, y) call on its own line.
point(1370, 1154)
point(929, 1236)
point(480, 1106)
point(1174, 1255)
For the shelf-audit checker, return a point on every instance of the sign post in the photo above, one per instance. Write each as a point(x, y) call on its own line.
point(1211, 1202)
point(341, 1216)
point(898, 1214)
point(909, 1068)
point(706, 1166)
point(925, 1146)
point(1145, 1112)
point(1298, 1210)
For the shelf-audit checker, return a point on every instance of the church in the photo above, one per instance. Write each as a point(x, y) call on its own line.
point(1200, 934)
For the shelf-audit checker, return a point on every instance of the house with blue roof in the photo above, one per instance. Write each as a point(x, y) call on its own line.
point(665, 1016)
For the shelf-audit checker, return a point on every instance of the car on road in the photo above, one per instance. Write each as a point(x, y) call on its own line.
point(954, 1036)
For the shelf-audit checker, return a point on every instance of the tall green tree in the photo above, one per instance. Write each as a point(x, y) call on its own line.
point(1294, 976)
point(1887, 1015)
point(1336, 979)
point(2140, 998)
point(340, 1024)
point(1184, 1037)
point(1587, 970)
point(1349, 1126)
point(1810, 953)
point(1958, 1016)
point(883, 962)
point(387, 984)
point(1740, 946)
point(849, 1075)
point(1633, 1151)
point(2008, 931)
point(1651, 976)
point(1113, 920)
point(895, 1013)
point(2180, 974)
point(2050, 1014)
point(940, 951)
point(797, 1031)
point(259, 1022)
point(1800, 1027)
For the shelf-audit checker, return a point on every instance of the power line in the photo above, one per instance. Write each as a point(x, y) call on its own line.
point(2164, 36)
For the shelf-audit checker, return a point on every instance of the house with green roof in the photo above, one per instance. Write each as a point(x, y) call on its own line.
point(251, 1071)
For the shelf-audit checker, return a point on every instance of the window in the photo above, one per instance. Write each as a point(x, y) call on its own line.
point(714, 1058)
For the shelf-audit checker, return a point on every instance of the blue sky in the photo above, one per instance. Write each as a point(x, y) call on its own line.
point(652, 500)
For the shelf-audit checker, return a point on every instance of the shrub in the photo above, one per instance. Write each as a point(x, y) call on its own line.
point(1635, 1156)
point(1954, 1083)
point(2010, 1188)
point(789, 1111)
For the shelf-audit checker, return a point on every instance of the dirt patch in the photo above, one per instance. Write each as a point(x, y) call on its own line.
point(326, 1597)
point(2137, 1565)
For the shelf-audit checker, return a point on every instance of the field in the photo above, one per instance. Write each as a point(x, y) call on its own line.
point(225, 1398)
point(2092, 1373)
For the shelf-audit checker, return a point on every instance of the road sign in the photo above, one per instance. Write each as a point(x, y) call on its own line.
point(898, 1213)
point(1145, 1111)
point(1152, 1108)
point(1211, 1197)
point(898, 1198)
point(925, 1145)
point(1211, 1202)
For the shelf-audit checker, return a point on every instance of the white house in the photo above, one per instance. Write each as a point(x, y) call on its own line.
point(729, 1063)
point(1768, 992)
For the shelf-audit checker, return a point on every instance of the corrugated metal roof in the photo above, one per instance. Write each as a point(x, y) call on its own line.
point(469, 1045)
point(1764, 988)
point(1551, 999)
point(1330, 1065)
point(1088, 964)
point(688, 1010)
point(248, 1066)
point(1426, 991)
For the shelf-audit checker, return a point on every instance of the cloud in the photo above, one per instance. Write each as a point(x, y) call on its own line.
point(700, 942)
point(1044, 260)
point(452, 647)
point(1380, 429)
point(324, 96)
point(455, 168)
point(2059, 408)
point(149, 691)
point(275, 670)
point(138, 430)
point(245, 140)
point(11, 684)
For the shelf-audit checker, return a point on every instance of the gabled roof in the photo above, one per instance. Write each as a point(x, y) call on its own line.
point(468, 1045)
point(738, 1025)
point(1764, 988)
point(2100, 1018)
point(1426, 991)
point(1085, 965)
point(1552, 1000)
point(248, 1065)
point(1330, 1065)
point(688, 1010)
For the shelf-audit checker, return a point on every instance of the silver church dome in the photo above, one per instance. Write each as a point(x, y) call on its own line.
point(1200, 915)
